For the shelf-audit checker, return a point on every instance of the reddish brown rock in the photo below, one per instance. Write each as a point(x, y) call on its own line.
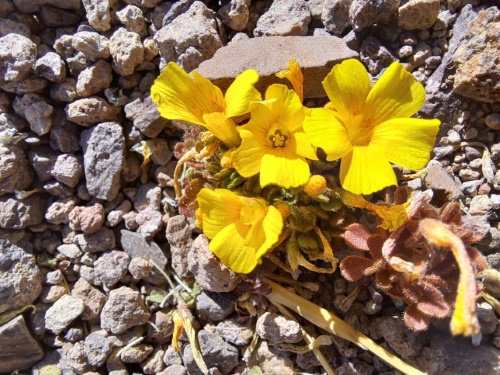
point(476, 60)
point(315, 54)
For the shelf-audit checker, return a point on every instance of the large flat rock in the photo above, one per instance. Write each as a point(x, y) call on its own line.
point(18, 349)
point(268, 55)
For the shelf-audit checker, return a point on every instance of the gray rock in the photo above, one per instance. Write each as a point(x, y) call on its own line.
point(115, 216)
point(36, 111)
point(441, 357)
point(215, 306)
point(92, 298)
point(471, 187)
point(421, 52)
point(97, 12)
point(492, 121)
point(145, 116)
point(70, 251)
point(136, 354)
point(74, 356)
point(172, 357)
point(97, 348)
point(217, 353)
point(111, 267)
point(18, 349)
point(87, 219)
point(62, 313)
point(235, 14)
point(179, 236)
point(316, 56)
point(15, 169)
point(154, 364)
point(51, 67)
point(132, 18)
point(480, 205)
point(102, 240)
point(365, 13)
point(17, 56)
point(124, 309)
point(478, 75)
point(271, 360)
point(468, 174)
point(20, 279)
point(150, 222)
point(399, 337)
point(375, 55)
point(126, 50)
point(68, 169)
point(54, 17)
point(209, 272)
point(30, 6)
point(89, 111)
point(8, 26)
point(93, 45)
point(284, 18)
point(64, 92)
point(104, 150)
point(277, 329)
point(335, 15)
point(174, 370)
point(165, 327)
point(58, 211)
point(137, 246)
point(438, 179)
point(190, 38)
point(418, 14)
point(94, 79)
point(21, 213)
point(148, 195)
point(234, 332)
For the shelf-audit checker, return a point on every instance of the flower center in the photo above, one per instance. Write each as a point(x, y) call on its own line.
point(360, 131)
point(277, 138)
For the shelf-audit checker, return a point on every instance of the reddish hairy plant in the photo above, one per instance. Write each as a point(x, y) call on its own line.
point(427, 262)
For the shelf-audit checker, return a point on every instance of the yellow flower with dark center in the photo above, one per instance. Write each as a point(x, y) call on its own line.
point(196, 100)
point(370, 127)
point(273, 141)
point(242, 230)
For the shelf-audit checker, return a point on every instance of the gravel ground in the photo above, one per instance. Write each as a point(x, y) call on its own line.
point(82, 218)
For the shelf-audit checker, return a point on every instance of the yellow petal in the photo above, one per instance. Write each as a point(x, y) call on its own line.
point(229, 246)
point(304, 146)
point(395, 95)
point(347, 86)
point(218, 209)
point(241, 93)
point(247, 158)
point(179, 97)
point(366, 170)
point(295, 76)
point(464, 320)
point(287, 108)
point(223, 128)
point(272, 226)
point(407, 142)
point(326, 131)
point(283, 168)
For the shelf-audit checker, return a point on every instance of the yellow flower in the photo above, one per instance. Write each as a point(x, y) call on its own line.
point(242, 230)
point(196, 100)
point(273, 142)
point(370, 127)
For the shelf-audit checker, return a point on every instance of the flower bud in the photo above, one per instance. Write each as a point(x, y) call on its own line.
point(315, 186)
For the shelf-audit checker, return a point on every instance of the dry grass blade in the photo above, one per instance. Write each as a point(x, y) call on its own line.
point(331, 323)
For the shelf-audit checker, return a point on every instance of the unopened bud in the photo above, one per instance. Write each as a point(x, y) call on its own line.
point(315, 186)
point(226, 161)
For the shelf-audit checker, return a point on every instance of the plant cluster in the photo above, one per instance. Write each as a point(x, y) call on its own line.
point(270, 177)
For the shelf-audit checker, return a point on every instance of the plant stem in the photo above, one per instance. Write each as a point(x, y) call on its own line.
point(331, 323)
